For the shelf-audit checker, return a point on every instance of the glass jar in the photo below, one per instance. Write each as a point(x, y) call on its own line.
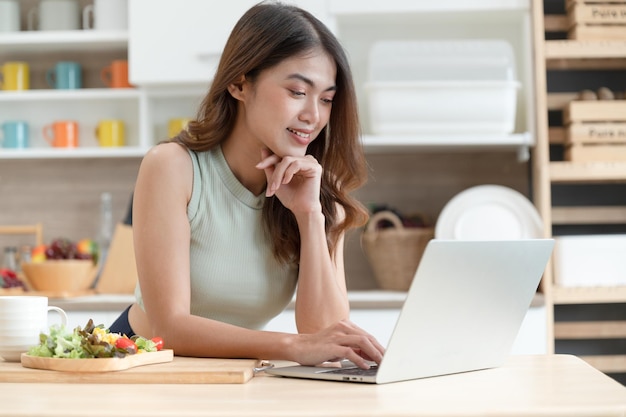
point(10, 258)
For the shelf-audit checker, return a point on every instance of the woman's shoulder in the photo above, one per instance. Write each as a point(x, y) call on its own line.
point(167, 150)
point(169, 156)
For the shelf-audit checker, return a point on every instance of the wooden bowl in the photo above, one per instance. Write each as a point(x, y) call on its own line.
point(60, 275)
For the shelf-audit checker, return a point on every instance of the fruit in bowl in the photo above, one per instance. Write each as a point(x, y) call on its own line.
point(63, 248)
point(62, 265)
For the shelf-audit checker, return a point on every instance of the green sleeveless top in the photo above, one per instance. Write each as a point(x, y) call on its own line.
point(234, 276)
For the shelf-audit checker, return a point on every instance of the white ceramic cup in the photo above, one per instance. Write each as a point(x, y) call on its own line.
point(106, 15)
point(9, 15)
point(22, 319)
point(55, 15)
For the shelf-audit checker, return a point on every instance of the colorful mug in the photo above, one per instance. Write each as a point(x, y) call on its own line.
point(14, 75)
point(61, 134)
point(115, 75)
point(110, 133)
point(65, 75)
point(15, 134)
point(174, 126)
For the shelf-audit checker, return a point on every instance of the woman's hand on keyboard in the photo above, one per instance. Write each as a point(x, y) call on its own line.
point(343, 340)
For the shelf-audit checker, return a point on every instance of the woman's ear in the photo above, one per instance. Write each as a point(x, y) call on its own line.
point(236, 88)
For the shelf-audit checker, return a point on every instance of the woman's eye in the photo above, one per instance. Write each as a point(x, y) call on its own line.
point(297, 93)
point(327, 100)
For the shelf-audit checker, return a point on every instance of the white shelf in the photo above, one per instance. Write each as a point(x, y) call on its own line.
point(54, 41)
point(356, 7)
point(393, 143)
point(82, 94)
point(73, 153)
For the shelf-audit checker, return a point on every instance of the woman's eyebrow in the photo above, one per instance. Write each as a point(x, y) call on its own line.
point(308, 81)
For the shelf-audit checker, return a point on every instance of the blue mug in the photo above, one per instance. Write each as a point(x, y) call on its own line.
point(65, 75)
point(15, 134)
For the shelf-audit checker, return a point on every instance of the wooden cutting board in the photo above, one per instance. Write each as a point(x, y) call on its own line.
point(97, 364)
point(181, 370)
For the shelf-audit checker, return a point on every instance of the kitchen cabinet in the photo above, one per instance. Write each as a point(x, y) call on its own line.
point(171, 64)
point(554, 51)
point(166, 50)
point(360, 24)
point(188, 54)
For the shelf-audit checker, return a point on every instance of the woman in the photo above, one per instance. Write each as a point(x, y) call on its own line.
point(253, 199)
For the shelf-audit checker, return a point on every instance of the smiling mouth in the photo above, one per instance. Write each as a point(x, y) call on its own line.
point(300, 134)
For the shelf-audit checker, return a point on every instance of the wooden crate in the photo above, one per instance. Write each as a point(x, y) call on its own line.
point(596, 20)
point(589, 111)
point(595, 131)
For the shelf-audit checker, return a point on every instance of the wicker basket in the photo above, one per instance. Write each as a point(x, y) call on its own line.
point(394, 253)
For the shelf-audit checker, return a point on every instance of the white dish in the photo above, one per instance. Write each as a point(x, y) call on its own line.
point(489, 212)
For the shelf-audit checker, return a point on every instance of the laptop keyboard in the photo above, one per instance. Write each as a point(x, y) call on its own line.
point(354, 371)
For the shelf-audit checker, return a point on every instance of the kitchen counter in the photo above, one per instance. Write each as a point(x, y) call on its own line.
point(374, 310)
point(374, 299)
point(535, 385)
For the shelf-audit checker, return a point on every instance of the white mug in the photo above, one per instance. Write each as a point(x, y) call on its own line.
point(55, 15)
point(106, 15)
point(9, 15)
point(22, 319)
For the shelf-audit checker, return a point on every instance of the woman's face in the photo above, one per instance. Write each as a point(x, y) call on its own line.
point(288, 105)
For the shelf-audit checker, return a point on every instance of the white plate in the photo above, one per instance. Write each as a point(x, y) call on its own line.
point(489, 212)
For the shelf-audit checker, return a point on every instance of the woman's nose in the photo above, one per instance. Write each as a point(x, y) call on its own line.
point(310, 113)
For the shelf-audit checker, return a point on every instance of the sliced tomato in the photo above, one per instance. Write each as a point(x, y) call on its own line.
point(126, 344)
point(158, 341)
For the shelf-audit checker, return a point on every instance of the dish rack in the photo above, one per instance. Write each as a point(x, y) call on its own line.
point(442, 87)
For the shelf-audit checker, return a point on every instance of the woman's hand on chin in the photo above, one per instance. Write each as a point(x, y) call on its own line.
point(295, 180)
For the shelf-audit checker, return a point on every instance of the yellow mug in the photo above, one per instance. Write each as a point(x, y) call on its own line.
point(14, 76)
point(110, 133)
point(174, 126)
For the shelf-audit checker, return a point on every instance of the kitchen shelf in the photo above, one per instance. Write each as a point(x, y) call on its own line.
point(42, 106)
point(588, 295)
point(355, 7)
point(73, 153)
point(55, 41)
point(62, 95)
point(570, 49)
point(589, 215)
point(588, 58)
point(590, 172)
point(394, 143)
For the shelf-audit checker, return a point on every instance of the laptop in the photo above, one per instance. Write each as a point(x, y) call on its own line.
point(466, 304)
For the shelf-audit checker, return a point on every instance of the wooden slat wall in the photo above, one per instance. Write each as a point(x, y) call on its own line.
point(64, 194)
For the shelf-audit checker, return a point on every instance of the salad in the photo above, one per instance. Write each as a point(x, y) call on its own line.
point(91, 341)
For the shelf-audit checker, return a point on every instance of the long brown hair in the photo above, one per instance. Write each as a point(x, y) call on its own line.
point(265, 35)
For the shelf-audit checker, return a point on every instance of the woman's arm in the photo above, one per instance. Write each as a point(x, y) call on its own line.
point(321, 298)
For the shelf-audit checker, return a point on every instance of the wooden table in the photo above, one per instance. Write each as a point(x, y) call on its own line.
point(550, 385)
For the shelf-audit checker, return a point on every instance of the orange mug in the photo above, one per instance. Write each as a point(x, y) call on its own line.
point(116, 74)
point(61, 134)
